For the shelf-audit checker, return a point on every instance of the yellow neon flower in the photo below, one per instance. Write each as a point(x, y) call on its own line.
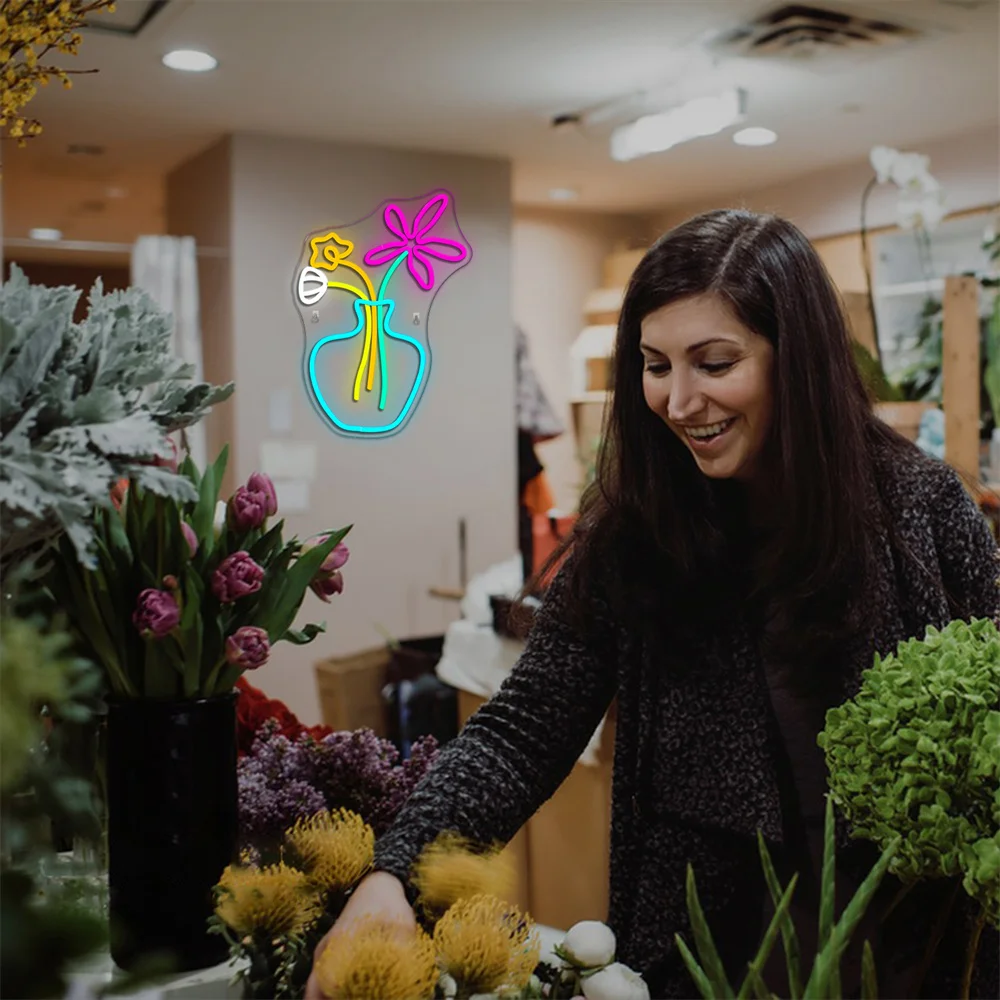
point(484, 943)
point(450, 870)
point(276, 900)
point(337, 848)
point(378, 962)
point(329, 251)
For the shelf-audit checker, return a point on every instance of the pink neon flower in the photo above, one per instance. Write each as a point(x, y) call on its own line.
point(416, 238)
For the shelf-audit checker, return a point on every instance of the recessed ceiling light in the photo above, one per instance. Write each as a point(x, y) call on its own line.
point(754, 137)
point(190, 60)
point(45, 234)
point(563, 194)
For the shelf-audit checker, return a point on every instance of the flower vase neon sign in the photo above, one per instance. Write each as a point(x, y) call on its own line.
point(367, 353)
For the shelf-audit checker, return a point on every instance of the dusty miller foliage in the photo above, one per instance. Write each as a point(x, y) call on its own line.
point(82, 406)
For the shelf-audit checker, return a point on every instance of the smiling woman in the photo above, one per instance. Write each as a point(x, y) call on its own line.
point(736, 567)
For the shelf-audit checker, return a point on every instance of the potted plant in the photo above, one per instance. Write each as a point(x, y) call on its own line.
point(184, 595)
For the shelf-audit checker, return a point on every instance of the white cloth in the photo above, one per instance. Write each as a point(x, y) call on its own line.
point(166, 268)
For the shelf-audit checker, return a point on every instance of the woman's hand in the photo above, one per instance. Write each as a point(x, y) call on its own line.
point(380, 895)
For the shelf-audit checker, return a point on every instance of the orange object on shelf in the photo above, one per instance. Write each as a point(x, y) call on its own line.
point(547, 532)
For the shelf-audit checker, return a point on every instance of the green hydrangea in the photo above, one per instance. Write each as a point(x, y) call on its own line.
point(917, 754)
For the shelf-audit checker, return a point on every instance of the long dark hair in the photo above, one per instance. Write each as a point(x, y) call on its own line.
point(654, 533)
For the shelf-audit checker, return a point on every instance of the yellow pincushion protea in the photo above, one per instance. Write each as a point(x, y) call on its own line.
point(276, 900)
point(378, 961)
point(450, 869)
point(336, 848)
point(484, 943)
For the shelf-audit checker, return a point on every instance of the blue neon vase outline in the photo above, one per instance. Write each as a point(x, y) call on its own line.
point(383, 324)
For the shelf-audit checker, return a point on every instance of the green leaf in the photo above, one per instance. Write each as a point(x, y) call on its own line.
point(767, 944)
point(305, 636)
point(707, 951)
point(191, 632)
point(818, 986)
point(697, 972)
point(789, 938)
point(263, 550)
point(869, 978)
point(277, 617)
point(203, 518)
point(828, 891)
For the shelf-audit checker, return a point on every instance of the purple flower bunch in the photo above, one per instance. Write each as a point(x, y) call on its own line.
point(281, 780)
point(227, 585)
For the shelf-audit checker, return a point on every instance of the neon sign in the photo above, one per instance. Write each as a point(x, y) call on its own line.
point(367, 354)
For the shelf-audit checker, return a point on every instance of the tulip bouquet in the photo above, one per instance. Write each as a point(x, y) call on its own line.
point(185, 596)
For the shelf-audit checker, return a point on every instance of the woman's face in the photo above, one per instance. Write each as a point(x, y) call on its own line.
point(709, 379)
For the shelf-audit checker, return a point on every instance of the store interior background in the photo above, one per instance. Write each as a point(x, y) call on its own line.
point(318, 112)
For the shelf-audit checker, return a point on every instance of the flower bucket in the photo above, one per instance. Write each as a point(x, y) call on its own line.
point(172, 827)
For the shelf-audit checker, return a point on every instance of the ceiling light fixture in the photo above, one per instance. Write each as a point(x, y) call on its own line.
point(47, 235)
point(699, 117)
point(190, 61)
point(563, 194)
point(755, 136)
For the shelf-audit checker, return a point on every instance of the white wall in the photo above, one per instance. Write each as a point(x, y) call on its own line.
point(557, 259)
point(456, 456)
point(828, 203)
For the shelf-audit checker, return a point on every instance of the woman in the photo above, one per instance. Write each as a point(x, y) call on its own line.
point(754, 536)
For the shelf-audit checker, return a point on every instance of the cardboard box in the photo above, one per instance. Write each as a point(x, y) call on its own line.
point(350, 690)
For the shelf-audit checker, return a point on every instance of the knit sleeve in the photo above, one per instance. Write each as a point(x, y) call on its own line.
point(967, 551)
point(513, 753)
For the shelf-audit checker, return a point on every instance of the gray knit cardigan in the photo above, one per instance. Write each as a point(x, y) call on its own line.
point(702, 743)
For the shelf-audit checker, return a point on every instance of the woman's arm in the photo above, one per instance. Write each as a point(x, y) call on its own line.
point(517, 749)
point(967, 552)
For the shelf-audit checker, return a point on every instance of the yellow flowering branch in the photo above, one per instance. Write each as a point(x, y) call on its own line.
point(29, 30)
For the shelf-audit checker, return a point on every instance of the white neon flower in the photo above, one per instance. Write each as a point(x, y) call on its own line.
point(589, 944)
point(615, 982)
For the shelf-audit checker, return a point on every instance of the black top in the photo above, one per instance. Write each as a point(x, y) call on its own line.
point(706, 736)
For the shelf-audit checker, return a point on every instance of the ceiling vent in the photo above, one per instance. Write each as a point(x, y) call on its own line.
point(801, 32)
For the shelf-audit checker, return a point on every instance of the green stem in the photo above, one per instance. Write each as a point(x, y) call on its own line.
point(937, 932)
point(970, 953)
point(868, 270)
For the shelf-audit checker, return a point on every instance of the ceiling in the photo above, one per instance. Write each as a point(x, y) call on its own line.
point(486, 77)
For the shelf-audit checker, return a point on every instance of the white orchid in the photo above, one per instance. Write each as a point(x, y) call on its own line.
point(921, 201)
point(615, 982)
point(588, 945)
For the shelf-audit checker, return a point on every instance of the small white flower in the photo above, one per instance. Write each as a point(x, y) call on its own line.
point(910, 169)
point(589, 944)
point(882, 159)
point(615, 982)
point(220, 517)
point(923, 211)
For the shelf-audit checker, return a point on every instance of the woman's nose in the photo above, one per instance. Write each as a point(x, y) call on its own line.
point(684, 399)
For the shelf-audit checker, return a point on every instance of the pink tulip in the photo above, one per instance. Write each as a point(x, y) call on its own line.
point(260, 482)
point(248, 647)
point(237, 576)
point(190, 537)
point(247, 509)
point(325, 585)
point(156, 613)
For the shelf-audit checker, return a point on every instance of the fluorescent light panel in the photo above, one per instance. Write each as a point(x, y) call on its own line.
point(699, 117)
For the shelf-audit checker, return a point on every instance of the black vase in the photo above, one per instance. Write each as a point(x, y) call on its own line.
point(172, 827)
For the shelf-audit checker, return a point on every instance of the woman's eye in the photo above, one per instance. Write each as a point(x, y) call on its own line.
point(714, 367)
point(656, 369)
